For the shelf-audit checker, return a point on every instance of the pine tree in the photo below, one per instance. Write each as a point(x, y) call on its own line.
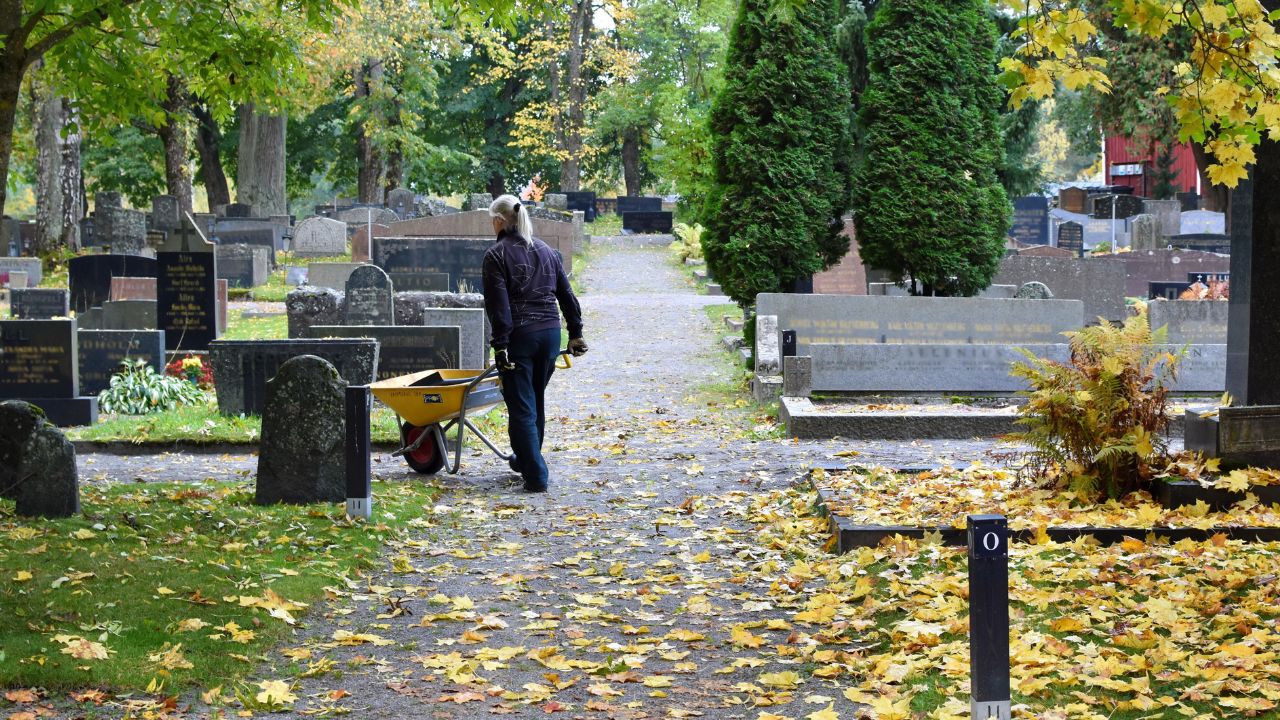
point(781, 151)
point(929, 204)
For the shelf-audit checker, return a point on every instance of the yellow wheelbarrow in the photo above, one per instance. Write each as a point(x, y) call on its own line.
point(433, 402)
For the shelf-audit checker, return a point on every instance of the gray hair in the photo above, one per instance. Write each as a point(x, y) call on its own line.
point(514, 215)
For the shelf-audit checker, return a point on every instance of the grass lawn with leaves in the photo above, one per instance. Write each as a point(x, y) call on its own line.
point(275, 289)
point(1133, 630)
point(605, 225)
point(172, 586)
point(274, 327)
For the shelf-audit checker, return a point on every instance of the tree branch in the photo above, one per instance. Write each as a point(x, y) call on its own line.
point(80, 22)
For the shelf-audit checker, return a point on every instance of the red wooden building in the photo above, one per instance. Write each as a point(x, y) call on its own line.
point(1125, 164)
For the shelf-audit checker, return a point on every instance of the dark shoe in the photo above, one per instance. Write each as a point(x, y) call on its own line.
point(535, 488)
point(514, 464)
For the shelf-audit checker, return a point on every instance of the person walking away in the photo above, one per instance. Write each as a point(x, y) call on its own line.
point(525, 291)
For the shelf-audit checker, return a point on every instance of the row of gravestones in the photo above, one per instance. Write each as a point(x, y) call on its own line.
point(1119, 220)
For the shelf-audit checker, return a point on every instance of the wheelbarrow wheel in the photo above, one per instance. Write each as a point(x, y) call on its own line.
point(427, 458)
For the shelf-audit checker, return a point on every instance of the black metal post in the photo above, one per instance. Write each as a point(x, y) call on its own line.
point(359, 466)
point(788, 343)
point(989, 617)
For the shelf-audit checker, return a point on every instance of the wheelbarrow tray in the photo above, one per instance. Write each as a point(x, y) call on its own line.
point(441, 399)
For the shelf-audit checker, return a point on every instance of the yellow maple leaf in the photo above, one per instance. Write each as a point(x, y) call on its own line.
point(275, 692)
point(743, 637)
point(81, 649)
point(827, 713)
point(191, 625)
point(783, 679)
point(22, 576)
point(171, 658)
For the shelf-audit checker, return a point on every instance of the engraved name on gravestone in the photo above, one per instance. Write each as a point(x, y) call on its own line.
point(420, 282)
point(1203, 222)
point(1071, 237)
point(370, 298)
point(38, 359)
point(187, 291)
point(131, 288)
point(319, 237)
point(403, 349)
point(1030, 220)
point(102, 351)
point(39, 303)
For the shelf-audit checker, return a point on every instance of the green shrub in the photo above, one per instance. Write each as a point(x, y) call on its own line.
point(139, 390)
point(688, 244)
point(1096, 423)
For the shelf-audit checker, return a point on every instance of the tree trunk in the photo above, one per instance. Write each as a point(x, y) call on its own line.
point(631, 160)
point(260, 168)
point(47, 118)
point(73, 201)
point(579, 29)
point(395, 156)
point(497, 184)
point(173, 136)
point(369, 177)
point(208, 144)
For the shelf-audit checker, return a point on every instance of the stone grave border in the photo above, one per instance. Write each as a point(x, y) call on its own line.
point(848, 535)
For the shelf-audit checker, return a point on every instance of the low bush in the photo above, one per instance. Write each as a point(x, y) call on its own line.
point(688, 244)
point(139, 390)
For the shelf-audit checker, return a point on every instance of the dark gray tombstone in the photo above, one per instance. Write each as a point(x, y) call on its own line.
point(237, 210)
point(102, 351)
point(302, 453)
point(122, 230)
point(89, 276)
point(130, 315)
point(403, 349)
point(38, 471)
point(420, 282)
point(586, 202)
point(637, 203)
point(87, 239)
point(1189, 201)
point(1204, 242)
point(403, 202)
point(1030, 220)
point(264, 237)
point(90, 319)
point(462, 259)
point(1125, 206)
point(241, 368)
point(1144, 232)
point(647, 222)
point(166, 215)
point(187, 290)
point(39, 362)
point(1071, 237)
point(370, 298)
point(39, 303)
point(244, 266)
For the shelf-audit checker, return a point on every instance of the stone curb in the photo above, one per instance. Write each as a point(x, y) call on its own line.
point(124, 447)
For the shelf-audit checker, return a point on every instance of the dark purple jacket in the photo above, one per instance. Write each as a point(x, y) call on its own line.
point(526, 289)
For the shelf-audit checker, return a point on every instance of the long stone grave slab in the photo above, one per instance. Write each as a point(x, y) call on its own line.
point(1097, 282)
point(241, 368)
point(1190, 321)
point(474, 327)
point(404, 349)
point(102, 351)
point(461, 258)
point(39, 303)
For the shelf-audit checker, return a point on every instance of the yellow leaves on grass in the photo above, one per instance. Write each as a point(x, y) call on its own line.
point(22, 576)
point(275, 693)
point(82, 649)
point(170, 657)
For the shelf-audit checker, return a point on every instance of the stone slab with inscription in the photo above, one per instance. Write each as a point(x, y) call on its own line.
point(404, 349)
point(332, 275)
point(187, 291)
point(241, 368)
point(474, 327)
point(1098, 282)
point(370, 299)
point(31, 266)
point(461, 258)
point(39, 363)
point(89, 276)
point(131, 288)
point(1190, 321)
point(102, 351)
point(39, 303)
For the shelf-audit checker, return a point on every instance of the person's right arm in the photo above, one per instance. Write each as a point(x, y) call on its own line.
point(496, 304)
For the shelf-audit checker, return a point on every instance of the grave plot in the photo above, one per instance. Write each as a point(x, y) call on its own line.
point(868, 505)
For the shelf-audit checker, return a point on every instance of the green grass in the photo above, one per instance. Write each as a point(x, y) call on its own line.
point(260, 328)
point(144, 558)
point(275, 289)
point(605, 225)
point(717, 314)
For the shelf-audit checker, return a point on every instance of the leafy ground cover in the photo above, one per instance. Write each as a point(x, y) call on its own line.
point(943, 498)
point(255, 328)
point(162, 587)
point(275, 289)
point(605, 225)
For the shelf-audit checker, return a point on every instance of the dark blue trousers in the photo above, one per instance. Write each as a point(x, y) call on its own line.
point(534, 354)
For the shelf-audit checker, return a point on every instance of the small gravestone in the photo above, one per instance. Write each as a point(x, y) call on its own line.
point(301, 455)
point(1202, 222)
point(130, 288)
point(89, 276)
point(129, 315)
point(647, 222)
point(1118, 207)
point(370, 299)
point(1144, 232)
point(332, 275)
point(37, 463)
point(31, 266)
point(121, 229)
point(472, 325)
point(478, 201)
point(18, 280)
point(237, 210)
point(1168, 212)
point(638, 204)
point(319, 237)
point(1074, 199)
point(1034, 291)
point(244, 266)
point(102, 351)
point(557, 201)
point(166, 214)
point(39, 363)
point(402, 201)
point(1030, 220)
point(39, 303)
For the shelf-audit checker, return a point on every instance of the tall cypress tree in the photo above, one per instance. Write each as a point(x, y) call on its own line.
point(781, 151)
point(930, 207)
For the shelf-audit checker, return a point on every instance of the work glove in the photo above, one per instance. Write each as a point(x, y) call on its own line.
point(577, 347)
point(502, 360)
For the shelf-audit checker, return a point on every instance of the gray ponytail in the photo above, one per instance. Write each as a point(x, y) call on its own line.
point(514, 215)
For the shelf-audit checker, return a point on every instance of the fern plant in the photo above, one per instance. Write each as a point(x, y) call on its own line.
point(139, 390)
point(1097, 423)
point(688, 244)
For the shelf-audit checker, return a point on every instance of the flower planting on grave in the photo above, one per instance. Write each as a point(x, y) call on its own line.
point(139, 390)
point(192, 369)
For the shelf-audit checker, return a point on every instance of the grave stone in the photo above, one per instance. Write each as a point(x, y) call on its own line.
point(31, 266)
point(237, 210)
point(319, 237)
point(1202, 222)
point(39, 363)
point(90, 319)
point(243, 266)
point(370, 299)
point(1071, 237)
point(584, 201)
point(420, 282)
point(241, 368)
point(10, 237)
point(924, 368)
point(1188, 201)
point(557, 201)
point(1030, 220)
point(403, 349)
point(1074, 199)
point(39, 303)
point(122, 230)
point(1166, 289)
point(1098, 282)
point(1204, 242)
point(561, 235)
point(461, 258)
point(363, 215)
point(166, 214)
point(768, 351)
point(474, 329)
point(403, 202)
point(1111, 233)
point(479, 201)
point(847, 277)
point(1144, 232)
point(330, 274)
point(295, 275)
point(18, 280)
point(131, 288)
point(1198, 322)
point(641, 222)
point(129, 315)
point(1143, 267)
point(626, 204)
point(878, 319)
point(263, 237)
point(360, 240)
point(187, 291)
point(1125, 207)
point(102, 351)
point(1034, 291)
point(89, 276)
point(37, 464)
point(301, 456)
point(1169, 214)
